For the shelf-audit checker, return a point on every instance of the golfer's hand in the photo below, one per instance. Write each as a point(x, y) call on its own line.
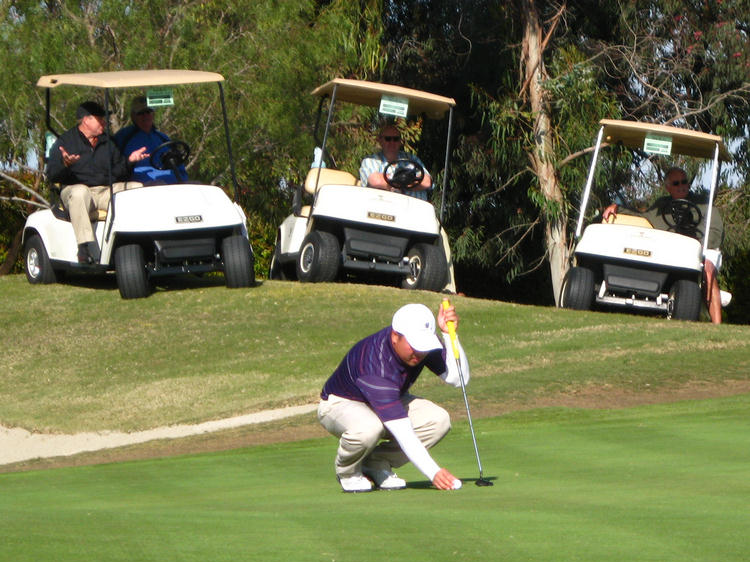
point(444, 480)
point(446, 315)
point(67, 158)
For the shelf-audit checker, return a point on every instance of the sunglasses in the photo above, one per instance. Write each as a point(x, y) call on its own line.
point(391, 139)
point(679, 182)
point(145, 111)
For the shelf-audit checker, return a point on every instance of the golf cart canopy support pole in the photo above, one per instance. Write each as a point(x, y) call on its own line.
point(447, 157)
point(589, 181)
point(712, 191)
point(229, 143)
point(325, 140)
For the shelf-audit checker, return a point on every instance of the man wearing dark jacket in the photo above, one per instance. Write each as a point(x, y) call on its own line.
point(81, 160)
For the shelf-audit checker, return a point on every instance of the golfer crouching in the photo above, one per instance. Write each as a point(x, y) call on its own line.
point(366, 402)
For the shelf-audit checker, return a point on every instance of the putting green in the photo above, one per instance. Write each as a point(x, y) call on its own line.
point(664, 483)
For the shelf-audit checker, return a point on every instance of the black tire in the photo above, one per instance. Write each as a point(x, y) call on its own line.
point(684, 301)
point(578, 289)
point(38, 267)
point(429, 270)
point(319, 258)
point(239, 270)
point(131, 273)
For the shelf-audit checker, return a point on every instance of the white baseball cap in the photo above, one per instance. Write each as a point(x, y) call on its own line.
point(417, 324)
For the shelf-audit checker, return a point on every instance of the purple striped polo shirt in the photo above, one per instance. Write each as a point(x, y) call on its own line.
point(371, 372)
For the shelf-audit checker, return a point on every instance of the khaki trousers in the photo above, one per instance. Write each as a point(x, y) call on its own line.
point(360, 432)
point(83, 203)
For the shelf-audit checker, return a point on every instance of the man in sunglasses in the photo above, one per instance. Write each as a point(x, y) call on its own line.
point(372, 167)
point(678, 186)
point(142, 134)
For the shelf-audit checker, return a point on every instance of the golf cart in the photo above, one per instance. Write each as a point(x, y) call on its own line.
point(629, 263)
point(357, 230)
point(155, 230)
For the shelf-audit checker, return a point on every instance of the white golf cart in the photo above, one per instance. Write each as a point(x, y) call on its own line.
point(630, 264)
point(355, 229)
point(151, 231)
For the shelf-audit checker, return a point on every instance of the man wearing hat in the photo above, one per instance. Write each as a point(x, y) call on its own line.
point(367, 400)
point(143, 134)
point(81, 160)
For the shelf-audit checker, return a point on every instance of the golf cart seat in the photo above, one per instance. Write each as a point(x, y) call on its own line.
point(629, 220)
point(327, 177)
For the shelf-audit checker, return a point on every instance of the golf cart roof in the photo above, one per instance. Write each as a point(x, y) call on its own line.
point(690, 143)
point(362, 92)
point(130, 78)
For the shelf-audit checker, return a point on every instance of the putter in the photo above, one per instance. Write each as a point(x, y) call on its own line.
point(482, 481)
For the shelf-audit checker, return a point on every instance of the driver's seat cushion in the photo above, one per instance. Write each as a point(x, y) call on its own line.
point(327, 177)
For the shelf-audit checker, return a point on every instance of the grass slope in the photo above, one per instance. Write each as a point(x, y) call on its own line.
point(76, 357)
point(663, 483)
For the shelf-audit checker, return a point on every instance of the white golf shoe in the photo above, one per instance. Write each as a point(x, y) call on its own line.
point(385, 479)
point(355, 484)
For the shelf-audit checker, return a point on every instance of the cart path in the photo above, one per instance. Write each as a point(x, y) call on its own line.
point(18, 444)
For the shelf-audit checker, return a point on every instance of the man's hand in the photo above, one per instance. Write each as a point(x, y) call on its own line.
point(67, 158)
point(444, 480)
point(446, 315)
point(138, 155)
point(610, 211)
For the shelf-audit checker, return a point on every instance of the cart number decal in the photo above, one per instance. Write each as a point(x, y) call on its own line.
point(380, 216)
point(637, 252)
point(188, 219)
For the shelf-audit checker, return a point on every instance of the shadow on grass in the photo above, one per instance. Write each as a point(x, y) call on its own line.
point(108, 281)
point(426, 484)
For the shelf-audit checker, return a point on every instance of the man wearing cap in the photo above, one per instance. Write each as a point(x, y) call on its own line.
point(81, 160)
point(367, 399)
point(143, 134)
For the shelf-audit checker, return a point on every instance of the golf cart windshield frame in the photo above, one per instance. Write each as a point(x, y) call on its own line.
point(362, 92)
point(137, 79)
point(632, 134)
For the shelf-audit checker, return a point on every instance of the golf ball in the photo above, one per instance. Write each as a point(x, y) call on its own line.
point(457, 484)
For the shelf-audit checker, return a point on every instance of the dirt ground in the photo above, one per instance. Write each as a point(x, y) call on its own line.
point(305, 426)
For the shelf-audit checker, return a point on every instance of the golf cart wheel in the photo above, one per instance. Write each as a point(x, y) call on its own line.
point(238, 262)
point(130, 272)
point(578, 289)
point(38, 267)
point(428, 268)
point(319, 258)
point(684, 301)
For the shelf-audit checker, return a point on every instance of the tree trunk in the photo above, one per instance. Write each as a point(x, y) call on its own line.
point(541, 157)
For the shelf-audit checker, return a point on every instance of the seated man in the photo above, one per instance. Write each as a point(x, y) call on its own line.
point(372, 167)
point(678, 187)
point(81, 160)
point(142, 133)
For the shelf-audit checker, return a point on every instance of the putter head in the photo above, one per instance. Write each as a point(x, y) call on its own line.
point(483, 482)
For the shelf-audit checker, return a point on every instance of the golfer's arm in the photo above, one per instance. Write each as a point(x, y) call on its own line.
point(451, 375)
point(412, 447)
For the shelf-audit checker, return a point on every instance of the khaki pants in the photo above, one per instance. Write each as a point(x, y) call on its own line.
point(360, 432)
point(83, 203)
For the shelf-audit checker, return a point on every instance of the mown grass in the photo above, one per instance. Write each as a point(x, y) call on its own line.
point(77, 357)
point(663, 483)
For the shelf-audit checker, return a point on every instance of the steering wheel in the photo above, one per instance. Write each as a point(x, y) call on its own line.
point(403, 174)
point(175, 153)
point(682, 216)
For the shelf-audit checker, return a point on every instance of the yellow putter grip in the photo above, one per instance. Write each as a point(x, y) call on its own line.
point(451, 331)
